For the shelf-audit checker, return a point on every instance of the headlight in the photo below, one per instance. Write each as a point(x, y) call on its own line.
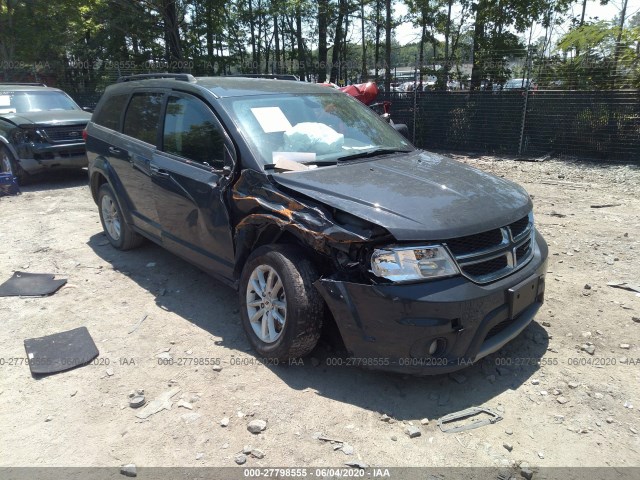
point(412, 263)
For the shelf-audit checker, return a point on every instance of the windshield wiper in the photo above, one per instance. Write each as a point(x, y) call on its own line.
point(372, 153)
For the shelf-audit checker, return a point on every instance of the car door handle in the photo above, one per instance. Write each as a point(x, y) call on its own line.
point(115, 151)
point(158, 171)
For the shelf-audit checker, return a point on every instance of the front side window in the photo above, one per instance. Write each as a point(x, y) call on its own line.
point(191, 132)
point(142, 117)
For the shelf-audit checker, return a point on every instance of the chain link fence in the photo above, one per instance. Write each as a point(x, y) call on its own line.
point(601, 125)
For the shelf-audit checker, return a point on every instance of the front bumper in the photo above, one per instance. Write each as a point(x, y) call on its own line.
point(36, 158)
point(390, 327)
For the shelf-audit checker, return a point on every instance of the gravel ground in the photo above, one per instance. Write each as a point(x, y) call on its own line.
point(161, 325)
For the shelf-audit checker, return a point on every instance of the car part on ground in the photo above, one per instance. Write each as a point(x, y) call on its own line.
point(310, 205)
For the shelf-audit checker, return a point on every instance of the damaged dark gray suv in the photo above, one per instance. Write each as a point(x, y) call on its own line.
point(313, 208)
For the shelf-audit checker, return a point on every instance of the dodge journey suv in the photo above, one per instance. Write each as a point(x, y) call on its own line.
point(313, 208)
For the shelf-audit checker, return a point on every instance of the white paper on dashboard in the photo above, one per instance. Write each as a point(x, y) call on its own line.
point(5, 100)
point(271, 119)
point(292, 160)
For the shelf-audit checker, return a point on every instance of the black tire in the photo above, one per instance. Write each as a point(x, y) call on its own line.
point(304, 305)
point(8, 164)
point(123, 237)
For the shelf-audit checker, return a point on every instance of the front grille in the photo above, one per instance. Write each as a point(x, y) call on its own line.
point(70, 133)
point(496, 253)
point(486, 268)
point(473, 243)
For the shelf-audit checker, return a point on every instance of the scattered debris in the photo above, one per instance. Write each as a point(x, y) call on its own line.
point(541, 455)
point(357, 464)
point(590, 348)
point(562, 400)
point(216, 368)
point(458, 377)
point(625, 346)
point(162, 402)
point(469, 412)
point(636, 319)
point(535, 381)
point(424, 421)
point(240, 459)
point(109, 372)
point(60, 351)
point(607, 205)
point(257, 453)
point(136, 401)
point(128, 470)
point(199, 455)
point(526, 473)
point(256, 426)
point(224, 422)
point(508, 431)
point(628, 404)
point(573, 384)
point(412, 432)
point(508, 446)
point(135, 327)
point(24, 284)
point(48, 419)
point(185, 404)
point(347, 449)
point(625, 286)
point(322, 438)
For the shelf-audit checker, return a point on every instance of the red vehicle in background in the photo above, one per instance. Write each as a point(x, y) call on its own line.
point(367, 94)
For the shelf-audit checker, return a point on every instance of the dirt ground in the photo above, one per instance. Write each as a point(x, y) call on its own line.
point(561, 405)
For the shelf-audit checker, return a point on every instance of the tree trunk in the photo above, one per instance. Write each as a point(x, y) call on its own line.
point(364, 73)
point(337, 43)
point(171, 32)
point(387, 54)
point(323, 13)
point(478, 35)
point(302, 69)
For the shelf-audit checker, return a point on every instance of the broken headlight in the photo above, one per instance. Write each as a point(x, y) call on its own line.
point(407, 264)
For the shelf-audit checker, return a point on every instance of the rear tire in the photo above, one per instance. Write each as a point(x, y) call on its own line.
point(281, 310)
point(117, 230)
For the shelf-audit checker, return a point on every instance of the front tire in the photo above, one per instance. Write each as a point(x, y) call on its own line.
point(281, 310)
point(9, 165)
point(117, 230)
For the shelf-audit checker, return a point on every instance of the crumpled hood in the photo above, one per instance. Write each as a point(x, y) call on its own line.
point(417, 196)
point(49, 118)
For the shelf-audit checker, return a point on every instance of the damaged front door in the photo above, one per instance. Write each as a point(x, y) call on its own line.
point(189, 176)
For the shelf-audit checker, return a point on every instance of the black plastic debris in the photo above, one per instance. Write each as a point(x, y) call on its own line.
point(60, 351)
point(8, 185)
point(31, 285)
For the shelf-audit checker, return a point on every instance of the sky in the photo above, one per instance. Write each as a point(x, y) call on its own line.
point(407, 33)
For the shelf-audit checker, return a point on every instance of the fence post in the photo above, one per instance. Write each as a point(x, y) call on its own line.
point(526, 101)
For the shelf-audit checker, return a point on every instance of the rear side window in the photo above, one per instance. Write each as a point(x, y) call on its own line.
point(191, 131)
point(110, 112)
point(143, 114)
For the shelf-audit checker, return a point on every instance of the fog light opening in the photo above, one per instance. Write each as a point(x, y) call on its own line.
point(437, 347)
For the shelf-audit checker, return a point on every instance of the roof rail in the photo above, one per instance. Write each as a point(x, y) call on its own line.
point(274, 76)
point(24, 84)
point(183, 77)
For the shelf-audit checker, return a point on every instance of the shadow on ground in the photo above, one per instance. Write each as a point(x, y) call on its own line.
point(190, 293)
point(56, 180)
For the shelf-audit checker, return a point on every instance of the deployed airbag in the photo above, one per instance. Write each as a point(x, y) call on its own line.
point(313, 137)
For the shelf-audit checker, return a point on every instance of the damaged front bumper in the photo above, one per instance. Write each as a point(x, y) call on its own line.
point(438, 326)
point(38, 157)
